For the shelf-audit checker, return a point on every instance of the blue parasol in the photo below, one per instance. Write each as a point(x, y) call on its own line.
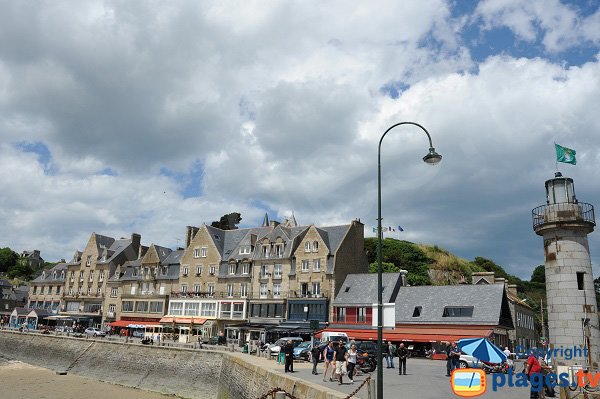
point(482, 349)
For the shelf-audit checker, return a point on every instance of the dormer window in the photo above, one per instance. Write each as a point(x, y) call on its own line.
point(246, 249)
point(232, 268)
point(54, 275)
point(265, 250)
point(458, 311)
point(43, 275)
point(245, 268)
point(307, 246)
point(88, 262)
point(62, 275)
point(417, 311)
point(135, 272)
point(279, 250)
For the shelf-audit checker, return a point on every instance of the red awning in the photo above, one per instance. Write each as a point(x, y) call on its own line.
point(126, 323)
point(421, 333)
point(182, 320)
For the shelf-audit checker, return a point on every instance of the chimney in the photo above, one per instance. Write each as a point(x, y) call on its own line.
point(190, 233)
point(403, 278)
point(499, 280)
point(512, 288)
point(135, 241)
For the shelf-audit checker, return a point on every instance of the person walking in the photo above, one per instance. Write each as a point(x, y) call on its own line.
point(392, 353)
point(328, 353)
point(352, 355)
point(289, 357)
point(533, 369)
point(341, 360)
point(402, 356)
point(315, 354)
point(448, 359)
point(385, 352)
point(455, 355)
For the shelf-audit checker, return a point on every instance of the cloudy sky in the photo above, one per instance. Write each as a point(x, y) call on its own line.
point(147, 116)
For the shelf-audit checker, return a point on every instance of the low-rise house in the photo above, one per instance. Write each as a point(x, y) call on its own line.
point(46, 291)
point(31, 259)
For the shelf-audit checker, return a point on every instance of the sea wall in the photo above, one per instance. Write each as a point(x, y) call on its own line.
point(185, 373)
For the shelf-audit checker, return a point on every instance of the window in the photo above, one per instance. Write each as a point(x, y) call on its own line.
point(417, 311)
point(89, 291)
point(263, 290)
point(176, 308)
point(264, 271)
point(580, 285)
point(135, 272)
point(317, 265)
point(199, 270)
point(458, 311)
point(304, 289)
point(212, 269)
point(197, 288)
point(91, 276)
point(279, 250)
point(196, 252)
point(141, 307)
point(277, 271)
point(72, 276)
point(54, 275)
point(238, 310)
point(211, 289)
point(307, 246)
point(305, 265)
point(156, 307)
point(316, 246)
point(244, 290)
point(81, 275)
point(35, 289)
point(361, 315)
point(340, 314)
point(186, 270)
point(208, 309)
point(133, 289)
point(265, 250)
point(101, 276)
point(276, 290)
point(203, 252)
point(245, 268)
point(192, 308)
point(184, 288)
point(88, 261)
point(232, 268)
point(246, 249)
point(113, 292)
point(127, 306)
point(62, 275)
point(230, 290)
point(112, 308)
point(71, 291)
point(316, 289)
point(58, 289)
point(99, 291)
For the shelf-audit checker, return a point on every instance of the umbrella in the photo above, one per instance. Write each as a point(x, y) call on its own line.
point(482, 349)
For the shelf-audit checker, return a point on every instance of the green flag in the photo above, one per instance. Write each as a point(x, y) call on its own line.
point(564, 154)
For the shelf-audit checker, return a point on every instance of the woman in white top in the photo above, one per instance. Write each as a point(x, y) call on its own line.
point(352, 353)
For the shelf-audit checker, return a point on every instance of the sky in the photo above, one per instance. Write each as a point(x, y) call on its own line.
point(148, 116)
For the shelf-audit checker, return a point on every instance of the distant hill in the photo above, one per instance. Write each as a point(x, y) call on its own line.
point(432, 265)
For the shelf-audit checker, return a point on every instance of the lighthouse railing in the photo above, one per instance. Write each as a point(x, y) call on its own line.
point(565, 212)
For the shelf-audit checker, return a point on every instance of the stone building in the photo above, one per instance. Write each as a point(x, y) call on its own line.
point(31, 259)
point(46, 291)
point(90, 270)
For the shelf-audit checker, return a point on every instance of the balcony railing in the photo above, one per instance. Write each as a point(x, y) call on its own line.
point(309, 294)
point(565, 212)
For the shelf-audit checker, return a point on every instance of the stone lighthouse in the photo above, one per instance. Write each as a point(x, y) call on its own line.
point(564, 224)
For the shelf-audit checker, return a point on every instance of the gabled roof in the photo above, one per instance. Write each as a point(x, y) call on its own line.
point(48, 275)
point(361, 289)
point(173, 258)
point(488, 302)
point(103, 242)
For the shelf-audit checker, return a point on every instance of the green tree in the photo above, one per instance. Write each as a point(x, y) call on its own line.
point(8, 259)
point(385, 266)
point(539, 275)
point(21, 270)
point(228, 222)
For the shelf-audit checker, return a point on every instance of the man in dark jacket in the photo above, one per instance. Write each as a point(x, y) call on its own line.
point(402, 356)
point(289, 356)
point(315, 354)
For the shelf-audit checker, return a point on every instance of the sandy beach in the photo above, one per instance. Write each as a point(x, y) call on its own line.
point(23, 381)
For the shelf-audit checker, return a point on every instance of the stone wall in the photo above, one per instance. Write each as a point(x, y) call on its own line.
point(182, 372)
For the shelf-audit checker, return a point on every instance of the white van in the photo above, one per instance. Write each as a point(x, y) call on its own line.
point(334, 336)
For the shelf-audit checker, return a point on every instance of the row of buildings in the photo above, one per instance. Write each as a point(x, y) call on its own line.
point(259, 283)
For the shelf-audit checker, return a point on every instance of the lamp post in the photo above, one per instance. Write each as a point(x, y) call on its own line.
point(432, 158)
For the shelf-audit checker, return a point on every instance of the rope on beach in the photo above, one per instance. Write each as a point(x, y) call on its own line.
point(272, 392)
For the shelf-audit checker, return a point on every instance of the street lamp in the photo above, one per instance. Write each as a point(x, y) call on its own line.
point(432, 158)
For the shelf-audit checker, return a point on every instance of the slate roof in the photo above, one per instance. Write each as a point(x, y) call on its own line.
point(49, 274)
point(486, 301)
point(361, 289)
point(173, 258)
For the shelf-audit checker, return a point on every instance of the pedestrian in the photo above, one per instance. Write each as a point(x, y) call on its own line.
point(289, 357)
point(315, 354)
point(455, 355)
point(548, 390)
point(448, 359)
point(385, 351)
point(341, 360)
point(328, 353)
point(402, 356)
point(392, 353)
point(352, 355)
point(533, 369)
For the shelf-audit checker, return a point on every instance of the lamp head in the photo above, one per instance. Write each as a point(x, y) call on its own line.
point(432, 158)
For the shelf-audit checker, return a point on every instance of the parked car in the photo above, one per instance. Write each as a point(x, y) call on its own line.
point(302, 351)
point(467, 361)
point(93, 331)
point(276, 347)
